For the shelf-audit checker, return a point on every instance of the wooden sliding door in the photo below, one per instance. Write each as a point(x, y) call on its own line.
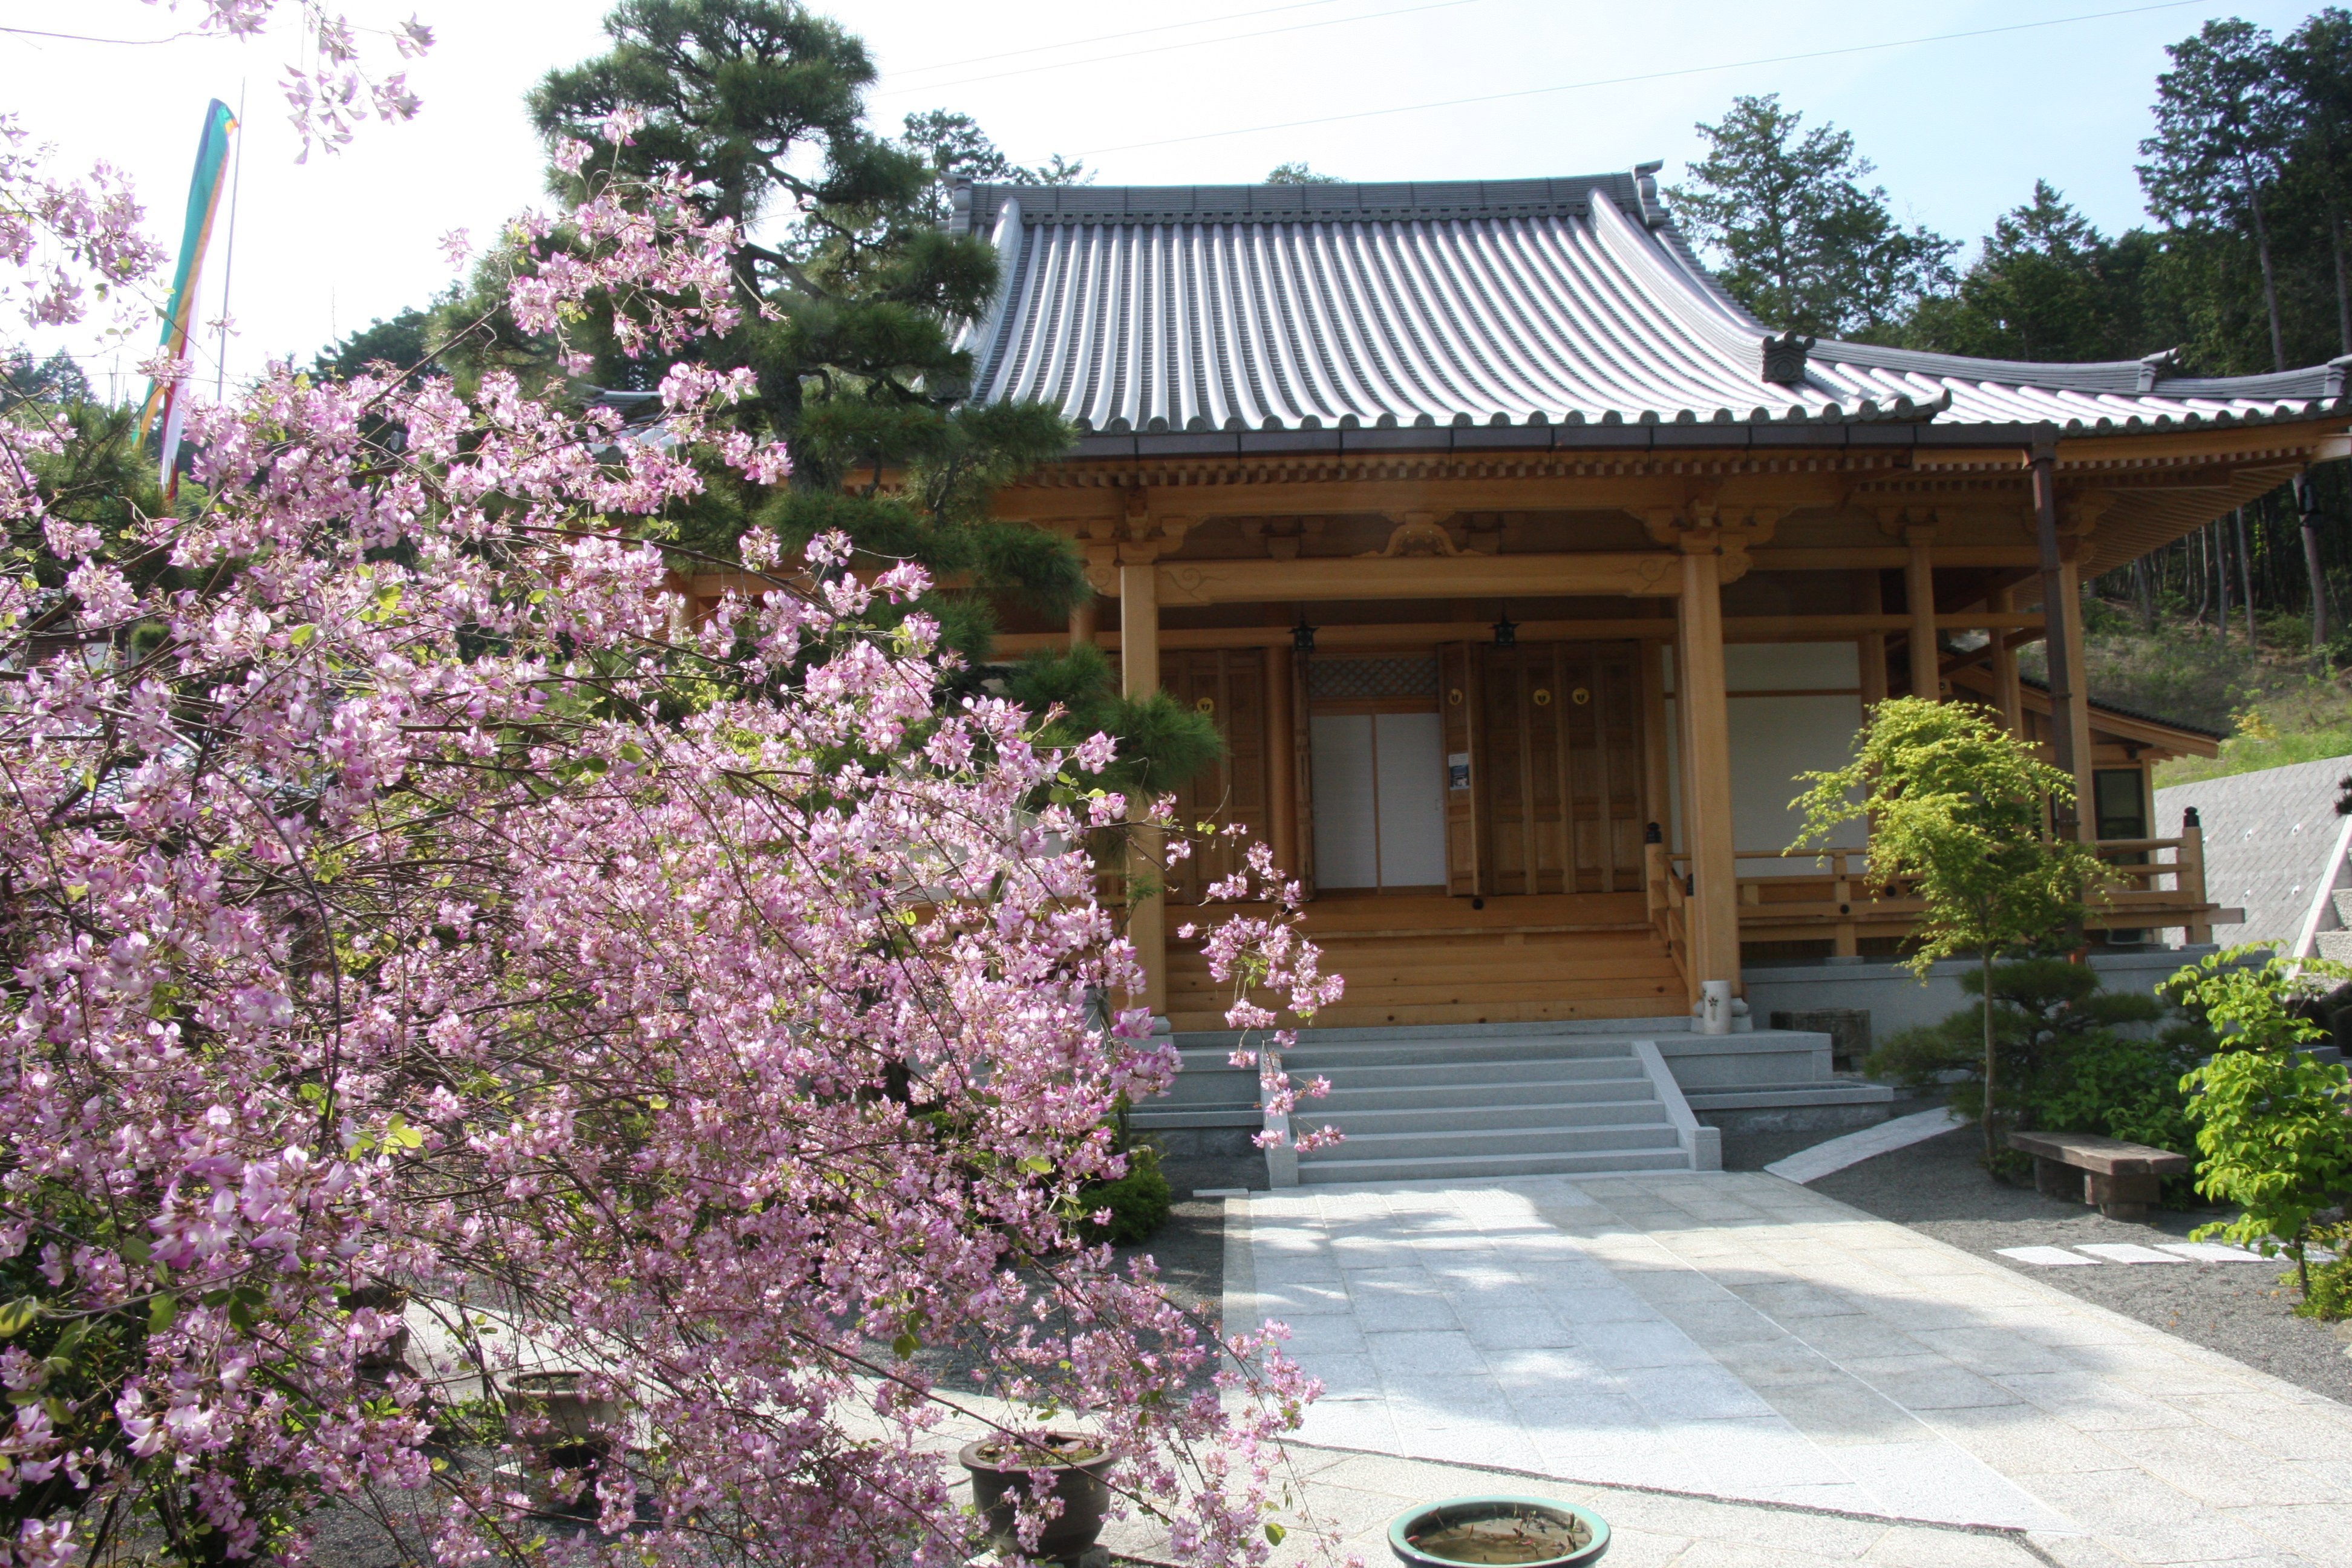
point(1229, 686)
point(1554, 798)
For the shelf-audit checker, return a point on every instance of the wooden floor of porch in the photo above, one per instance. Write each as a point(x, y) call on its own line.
point(1428, 959)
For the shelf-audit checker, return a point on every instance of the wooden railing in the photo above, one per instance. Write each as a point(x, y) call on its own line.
point(2154, 884)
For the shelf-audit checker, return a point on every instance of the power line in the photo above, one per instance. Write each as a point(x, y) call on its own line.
point(928, 88)
point(1114, 38)
point(1645, 76)
point(86, 38)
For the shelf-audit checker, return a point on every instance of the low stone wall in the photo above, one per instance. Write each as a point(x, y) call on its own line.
point(1896, 1000)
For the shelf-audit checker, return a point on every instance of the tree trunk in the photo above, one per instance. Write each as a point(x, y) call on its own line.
point(2193, 552)
point(2270, 281)
point(1991, 1141)
point(2343, 291)
point(2220, 546)
point(2307, 502)
point(2245, 575)
point(2143, 585)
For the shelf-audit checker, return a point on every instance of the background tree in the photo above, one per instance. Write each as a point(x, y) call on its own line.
point(1957, 809)
point(851, 292)
point(1300, 174)
point(2047, 285)
point(1798, 239)
point(2221, 136)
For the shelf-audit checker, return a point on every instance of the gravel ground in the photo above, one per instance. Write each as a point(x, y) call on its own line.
point(2239, 1309)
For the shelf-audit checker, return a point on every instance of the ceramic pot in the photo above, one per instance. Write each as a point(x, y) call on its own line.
point(999, 1470)
point(564, 1427)
point(380, 1364)
point(1431, 1535)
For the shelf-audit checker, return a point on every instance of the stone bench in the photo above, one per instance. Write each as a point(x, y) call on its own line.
point(2121, 1178)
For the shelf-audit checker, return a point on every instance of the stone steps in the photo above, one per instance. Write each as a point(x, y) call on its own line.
point(1418, 1105)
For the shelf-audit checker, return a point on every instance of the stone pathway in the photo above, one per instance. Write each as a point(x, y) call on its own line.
point(1736, 1336)
point(1811, 1164)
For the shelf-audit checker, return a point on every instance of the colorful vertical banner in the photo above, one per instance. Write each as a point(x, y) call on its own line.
point(167, 401)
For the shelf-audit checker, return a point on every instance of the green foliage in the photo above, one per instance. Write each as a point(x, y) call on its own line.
point(405, 343)
point(851, 294)
point(2274, 1125)
point(1956, 808)
point(2046, 286)
point(2327, 1289)
point(1956, 811)
point(2071, 1056)
point(1300, 174)
point(1139, 1201)
point(1161, 742)
point(1804, 244)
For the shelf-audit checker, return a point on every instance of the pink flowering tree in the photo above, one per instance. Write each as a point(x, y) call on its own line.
point(434, 967)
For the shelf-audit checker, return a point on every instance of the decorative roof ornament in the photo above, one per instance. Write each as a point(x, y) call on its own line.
point(1784, 359)
point(2155, 367)
point(1645, 191)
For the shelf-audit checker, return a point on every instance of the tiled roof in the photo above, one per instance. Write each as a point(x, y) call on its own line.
point(1510, 303)
point(2100, 704)
point(2268, 840)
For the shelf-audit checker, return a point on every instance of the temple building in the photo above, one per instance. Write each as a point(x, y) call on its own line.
point(1524, 570)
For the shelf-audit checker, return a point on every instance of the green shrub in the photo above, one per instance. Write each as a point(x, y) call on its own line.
point(2065, 1062)
point(2330, 1296)
point(2272, 1122)
point(1139, 1202)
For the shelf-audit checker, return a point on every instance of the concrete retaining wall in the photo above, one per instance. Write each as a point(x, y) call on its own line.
point(1897, 1000)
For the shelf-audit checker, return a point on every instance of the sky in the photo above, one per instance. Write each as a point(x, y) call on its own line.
point(1179, 91)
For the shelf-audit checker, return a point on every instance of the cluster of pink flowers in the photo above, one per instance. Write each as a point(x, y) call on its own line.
point(64, 242)
point(405, 902)
point(335, 90)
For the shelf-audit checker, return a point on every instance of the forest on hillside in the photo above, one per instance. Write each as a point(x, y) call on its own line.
point(2241, 269)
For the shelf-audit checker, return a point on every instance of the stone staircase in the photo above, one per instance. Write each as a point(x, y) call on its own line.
point(2336, 944)
point(1495, 1107)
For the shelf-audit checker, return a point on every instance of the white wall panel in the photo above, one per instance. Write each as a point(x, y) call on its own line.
point(1774, 738)
point(1345, 851)
point(1409, 749)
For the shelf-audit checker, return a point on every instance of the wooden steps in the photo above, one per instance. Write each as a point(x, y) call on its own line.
point(1438, 961)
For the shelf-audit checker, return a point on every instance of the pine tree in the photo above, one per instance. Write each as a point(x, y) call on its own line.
point(2223, 118)
point(1801, 242)
point(853, 292)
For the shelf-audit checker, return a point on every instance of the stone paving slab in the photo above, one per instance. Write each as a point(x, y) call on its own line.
point(1739, 1337)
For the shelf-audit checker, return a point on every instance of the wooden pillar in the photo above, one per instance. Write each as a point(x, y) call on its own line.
point(2004, 667)
point(1658, 795)
point(2070, 731)
point(1871, 596)
point(1920, 599)
point(1701, 703)
point(1082, 621)
point(1138, 661)
point(1281, 761)
point(2078, 711)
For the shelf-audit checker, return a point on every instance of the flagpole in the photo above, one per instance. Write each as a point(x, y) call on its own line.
point(228, 262)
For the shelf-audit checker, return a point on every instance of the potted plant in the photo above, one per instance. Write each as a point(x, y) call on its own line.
point(384, 1362)
point(562, 1426)
point(1079, 1466)
point(1521, 1531)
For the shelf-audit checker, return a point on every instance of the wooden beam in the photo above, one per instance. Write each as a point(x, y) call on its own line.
point(1613, 573)
point(1419, 634)
point(1889, 558)
point(1346, 491)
